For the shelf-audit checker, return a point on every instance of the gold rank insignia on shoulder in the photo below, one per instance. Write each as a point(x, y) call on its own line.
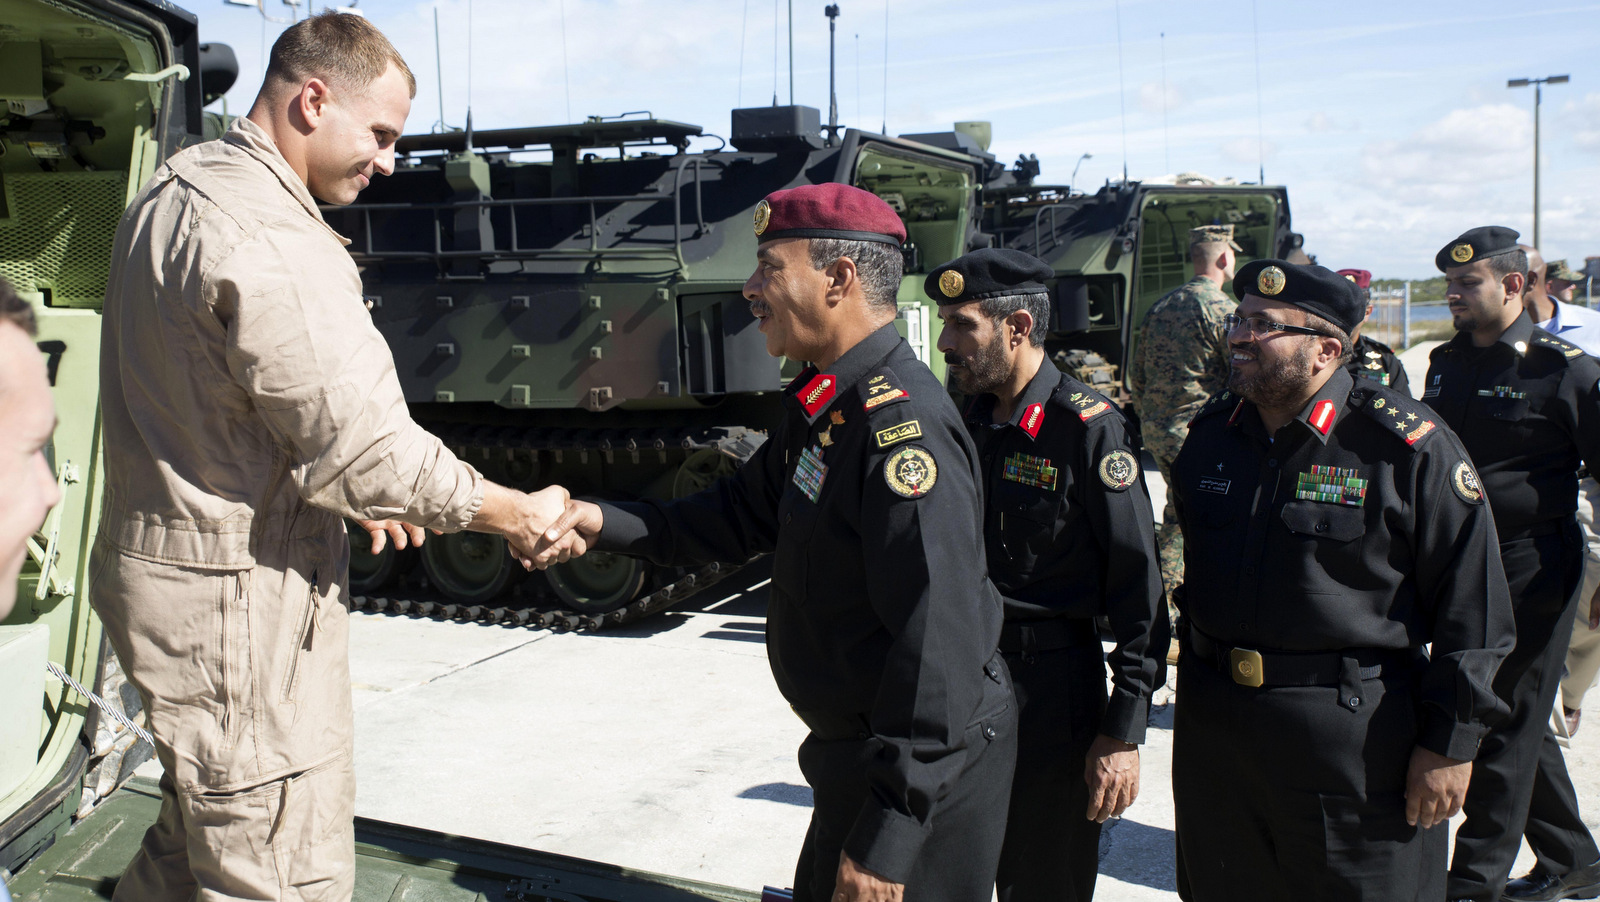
point(1271, 281)
point(1118, 470)
point(951, 283)
point(1029, 470)
point(910, 472)
point(894, 435)
point(1465, 482)
point(763, 216)
point(1461, 253)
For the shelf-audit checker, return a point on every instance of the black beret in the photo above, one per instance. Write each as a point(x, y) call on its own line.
point(992, 272)
point(1314, 289)
point(1476, 244)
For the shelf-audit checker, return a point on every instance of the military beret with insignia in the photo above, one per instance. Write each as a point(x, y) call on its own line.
point(829, 210)
point(1558, 271)
point(991, 272)
point(1213, 234)
point(1315, 289)
point(1476, 244)
point(1361, 277)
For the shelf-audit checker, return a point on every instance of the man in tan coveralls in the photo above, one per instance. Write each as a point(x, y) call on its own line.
point(249, 403)
point(1181, 361)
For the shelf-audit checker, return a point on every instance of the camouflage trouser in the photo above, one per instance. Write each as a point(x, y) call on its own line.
point(1169, 542)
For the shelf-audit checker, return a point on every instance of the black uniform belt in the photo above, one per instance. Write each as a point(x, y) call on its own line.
point(831, 726)
point(1250, 667)
point(1046, 635)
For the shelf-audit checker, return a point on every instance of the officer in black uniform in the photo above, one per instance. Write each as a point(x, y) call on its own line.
point(1372, 358)
point(1527, 406)
point(1338, 528)
point(1069, 536)
point(882, 626)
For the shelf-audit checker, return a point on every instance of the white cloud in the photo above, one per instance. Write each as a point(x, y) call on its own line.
point(1248, 151)
point(1583, 118)
point(1158, 100)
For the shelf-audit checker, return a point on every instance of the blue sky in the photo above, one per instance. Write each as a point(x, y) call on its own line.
point(1390, 122)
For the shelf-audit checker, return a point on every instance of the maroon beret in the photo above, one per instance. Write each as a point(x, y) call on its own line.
point(1361, 277)
point(829, 210)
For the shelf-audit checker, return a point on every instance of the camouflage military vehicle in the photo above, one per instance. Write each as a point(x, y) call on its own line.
point(1118, 250)
point(564, 305)
point(93, 95)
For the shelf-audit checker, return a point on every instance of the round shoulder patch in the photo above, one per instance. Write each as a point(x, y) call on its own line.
point(910, 472)
point(1118, 470)
point(1465, 482)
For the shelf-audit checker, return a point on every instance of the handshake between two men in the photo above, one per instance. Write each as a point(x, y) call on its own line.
point(542, 528)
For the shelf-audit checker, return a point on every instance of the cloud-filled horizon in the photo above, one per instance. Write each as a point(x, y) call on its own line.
point(1390, 124)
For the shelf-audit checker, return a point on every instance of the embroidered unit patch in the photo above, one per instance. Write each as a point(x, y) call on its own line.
point(1214, 484)
point(896, 434)
point(1332, 485)
point(810, 471)
point(884, 398)
point(1030, 470)
point(910, 472)
point(1118, 470)
point(1465, 482)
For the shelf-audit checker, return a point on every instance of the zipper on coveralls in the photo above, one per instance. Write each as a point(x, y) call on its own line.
point(308, 624)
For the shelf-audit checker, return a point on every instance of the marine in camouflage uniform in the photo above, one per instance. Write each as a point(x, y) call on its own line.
point(1181, 361)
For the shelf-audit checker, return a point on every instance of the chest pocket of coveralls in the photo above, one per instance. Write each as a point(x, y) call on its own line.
point(1025, 519)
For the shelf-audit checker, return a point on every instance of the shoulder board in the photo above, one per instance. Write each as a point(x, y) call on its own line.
point(1224, 403)
point(1566, 349)
point(881, 388)
point(1403, 417)
point(1082, 400)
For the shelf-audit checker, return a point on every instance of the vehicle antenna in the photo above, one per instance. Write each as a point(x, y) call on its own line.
point(438, 71)
point(566, 74)
point(469, 75)
point(832, 12)
point(743, 25)
point(774, 52)
point(885, 127)
point(1261, 145)
point(791, 52)
point(1122, 95)
point(858, 79)
point(1166, 142)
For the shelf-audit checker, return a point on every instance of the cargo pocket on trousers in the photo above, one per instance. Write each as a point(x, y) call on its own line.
point(1369, 846)
point(313, 828)
point(305, 635)
point(234, 608)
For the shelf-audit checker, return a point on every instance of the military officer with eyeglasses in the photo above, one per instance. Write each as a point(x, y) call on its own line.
point(1334, 527)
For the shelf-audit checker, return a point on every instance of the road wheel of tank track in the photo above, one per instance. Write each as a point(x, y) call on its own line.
point(513, 467)
point(701, 469)
point(598, 582)
point(469, 567)
point(371, 572)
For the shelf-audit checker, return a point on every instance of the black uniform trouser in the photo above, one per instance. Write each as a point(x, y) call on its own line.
point(1287, 793)
point(957, 860)
point(1052, 850)
point(1543, 573)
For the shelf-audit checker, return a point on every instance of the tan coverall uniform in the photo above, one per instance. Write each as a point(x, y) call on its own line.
point(249, 402)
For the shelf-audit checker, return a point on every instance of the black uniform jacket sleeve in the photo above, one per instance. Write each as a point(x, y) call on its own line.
point(880, 606)
point(1069, 531)
point(1359, 525)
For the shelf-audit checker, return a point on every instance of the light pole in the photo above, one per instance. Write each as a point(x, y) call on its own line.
point(1074, 180)
point(1538, 97)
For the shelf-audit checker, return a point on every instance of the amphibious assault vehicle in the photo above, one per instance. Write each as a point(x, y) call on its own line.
point(564, 306)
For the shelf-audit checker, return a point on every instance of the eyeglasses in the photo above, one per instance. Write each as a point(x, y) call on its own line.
point(1259, 325)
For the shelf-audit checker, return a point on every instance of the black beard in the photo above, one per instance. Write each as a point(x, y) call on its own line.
point(988, 370)
point(1279, 385)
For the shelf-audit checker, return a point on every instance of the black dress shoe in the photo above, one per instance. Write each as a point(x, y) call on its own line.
point(1541, 886)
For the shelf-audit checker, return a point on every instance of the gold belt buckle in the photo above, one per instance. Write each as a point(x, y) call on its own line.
point(1244, 665)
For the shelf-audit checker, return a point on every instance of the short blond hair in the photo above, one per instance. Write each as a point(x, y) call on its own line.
point(342, 49)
